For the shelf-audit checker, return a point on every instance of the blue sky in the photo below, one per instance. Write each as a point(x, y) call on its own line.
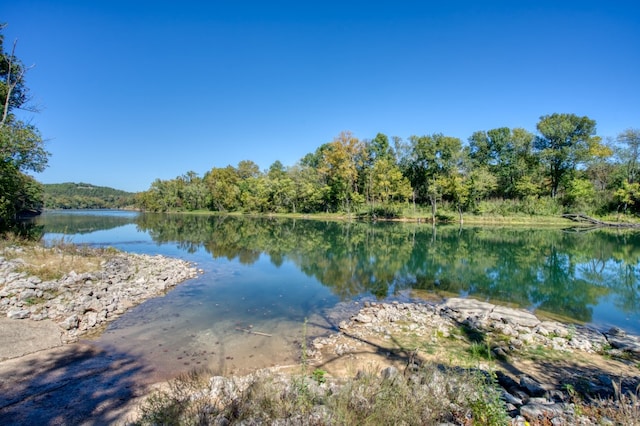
point(131, 91)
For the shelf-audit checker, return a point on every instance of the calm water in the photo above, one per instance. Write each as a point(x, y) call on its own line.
point(269, 275)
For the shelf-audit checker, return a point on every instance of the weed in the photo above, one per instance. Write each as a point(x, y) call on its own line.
point(319, 375)
point(480, 351)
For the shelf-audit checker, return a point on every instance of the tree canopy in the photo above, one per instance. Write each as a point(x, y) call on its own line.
point(21, 145)
point(563, 168)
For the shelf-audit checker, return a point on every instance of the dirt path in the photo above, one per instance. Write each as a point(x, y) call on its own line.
point(71, 384)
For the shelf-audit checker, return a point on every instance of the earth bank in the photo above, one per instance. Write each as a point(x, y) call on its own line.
point(539, 365)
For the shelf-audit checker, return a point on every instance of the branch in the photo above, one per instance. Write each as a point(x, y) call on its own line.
point(11, 86)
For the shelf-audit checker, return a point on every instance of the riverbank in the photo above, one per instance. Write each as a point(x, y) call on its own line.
point(458, 361)
point(81, 303)
point(50, 299)
point(545, 371)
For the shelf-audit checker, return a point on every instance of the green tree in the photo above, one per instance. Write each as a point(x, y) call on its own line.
point(630, 153)
point(432, 159)
point(565, 141)
point(388, 183)
point(21, 145)
point(224, 188)
point(341, 160)
point(506, 153)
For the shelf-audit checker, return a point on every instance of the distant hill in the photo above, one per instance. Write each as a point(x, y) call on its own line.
point(84, 196)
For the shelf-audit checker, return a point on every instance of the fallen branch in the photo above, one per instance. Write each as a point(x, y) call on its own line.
point(577, 217)
point(258, 333)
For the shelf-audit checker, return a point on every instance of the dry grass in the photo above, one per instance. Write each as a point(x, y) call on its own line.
point(55, 261)
point(429, 396)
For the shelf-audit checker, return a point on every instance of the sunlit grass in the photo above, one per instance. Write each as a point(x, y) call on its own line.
point(54, 261)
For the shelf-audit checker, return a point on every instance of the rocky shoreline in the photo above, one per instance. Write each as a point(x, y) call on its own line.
point(507, 333)
point(80, 303)
point(591, 377)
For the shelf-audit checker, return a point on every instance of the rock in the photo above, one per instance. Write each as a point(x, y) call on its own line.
point(535, 412)
point(70, 322)
point(91, 318)
point(363, 318)
point(531, 386)
point(390, 372)
point(18, 313)
point(515, 316)
point(510, 399)
point(468, 308)
point(624, 342)
point(616, 332)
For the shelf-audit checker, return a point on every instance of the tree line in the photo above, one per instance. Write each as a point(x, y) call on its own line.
point(85, 196)
point(563, 167)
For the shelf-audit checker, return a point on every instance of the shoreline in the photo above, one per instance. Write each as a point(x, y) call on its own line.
point(378, 335)
point(539, 371)
point(82, 304)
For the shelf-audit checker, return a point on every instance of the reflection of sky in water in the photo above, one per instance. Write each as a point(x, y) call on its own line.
point(609, 274)
point(607, 315)
point(126, 238)
point(126, 234)
point(250, 292)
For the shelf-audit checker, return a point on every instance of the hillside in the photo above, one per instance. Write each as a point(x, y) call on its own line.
point(84, 196)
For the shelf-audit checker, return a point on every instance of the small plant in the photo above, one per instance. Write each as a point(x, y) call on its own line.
point(487, 407)
point(319, 376)
point(480, 351)
point(572, 332)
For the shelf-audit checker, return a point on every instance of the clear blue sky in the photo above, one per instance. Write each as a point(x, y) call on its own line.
point(133, 90)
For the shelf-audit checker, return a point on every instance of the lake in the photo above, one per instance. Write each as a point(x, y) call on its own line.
point(269, 283)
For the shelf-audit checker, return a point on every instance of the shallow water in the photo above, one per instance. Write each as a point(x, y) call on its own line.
point(267, 276)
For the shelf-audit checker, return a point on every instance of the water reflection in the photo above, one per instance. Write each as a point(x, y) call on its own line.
point(590, 277)
point(559, 272)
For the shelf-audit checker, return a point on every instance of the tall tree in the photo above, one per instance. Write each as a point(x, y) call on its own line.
point(340, 164)
point(432, 159)
point(630, 153)
point(565, 141)
point(21, 146)
point(224, 189)
point(506, 153)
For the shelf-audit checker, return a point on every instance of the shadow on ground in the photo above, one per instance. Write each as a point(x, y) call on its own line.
point(73, 384)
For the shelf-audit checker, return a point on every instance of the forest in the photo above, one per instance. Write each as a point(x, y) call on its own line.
point(84, 196)
point(563, 167)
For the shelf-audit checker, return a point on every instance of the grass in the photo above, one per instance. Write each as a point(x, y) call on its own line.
point(54, 261)
point(429, 396)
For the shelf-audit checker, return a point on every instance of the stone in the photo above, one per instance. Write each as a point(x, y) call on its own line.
point(515, 316)
point(390, 373)
point(624, 342)
point(531, 386)
point(18, 314)
point(70, 322)
point(510, 399)
point(363, 318)
point(91, 318)
point(534, 412)
point(468, 308)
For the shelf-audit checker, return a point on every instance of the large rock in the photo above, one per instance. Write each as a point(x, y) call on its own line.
point(514, 316)
point(461, 309)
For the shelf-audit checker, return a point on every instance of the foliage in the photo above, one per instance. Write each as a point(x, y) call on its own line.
point(565, 141)
point(433, 395)
point(502, 171)
point(84, 196)
point(21, 146)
